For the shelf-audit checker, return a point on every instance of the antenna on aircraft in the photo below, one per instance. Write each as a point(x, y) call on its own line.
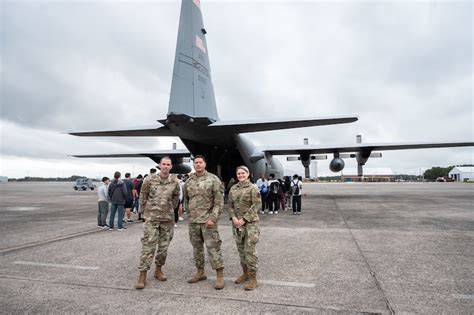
point(360, 167)
point(306, 165)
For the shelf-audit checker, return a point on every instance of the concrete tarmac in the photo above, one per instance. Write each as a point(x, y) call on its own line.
point(356, 248)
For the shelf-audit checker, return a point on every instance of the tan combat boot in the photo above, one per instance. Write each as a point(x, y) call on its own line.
point(199, 276)
point(219, 279)
point(244, 277)
point(159, 274)
point(141, 280)
point(252, 284)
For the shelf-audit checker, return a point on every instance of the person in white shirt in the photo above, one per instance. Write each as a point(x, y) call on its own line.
point(295, 189)
point(178, 211)
point(103, 203)
point(262, 185)
point(272, 198)
point(181, 198)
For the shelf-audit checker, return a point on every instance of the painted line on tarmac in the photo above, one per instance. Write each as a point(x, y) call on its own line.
point(366, 261)
point(274, 282)
point(308, 308)
point(37, 264)
point(464, 296)
point(22, 208)
point(47, 241)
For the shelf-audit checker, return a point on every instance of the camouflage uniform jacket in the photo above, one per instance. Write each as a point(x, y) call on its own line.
point(244, 201)
point(204, 197)
point(159, 197)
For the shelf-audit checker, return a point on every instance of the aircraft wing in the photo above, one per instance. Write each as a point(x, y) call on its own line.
point(243, 126)
point(149, 131)
point(317, 149)
point(153, 155)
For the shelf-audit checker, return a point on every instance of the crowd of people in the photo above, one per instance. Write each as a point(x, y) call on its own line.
point(160, 199)
point(122, 197)
point(280, 194)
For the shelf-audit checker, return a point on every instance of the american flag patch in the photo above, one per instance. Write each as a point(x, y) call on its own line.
point(200, 44)
point(198, 3)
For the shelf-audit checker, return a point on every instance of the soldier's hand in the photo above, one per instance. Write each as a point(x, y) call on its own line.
point(210, 224)
point(236, 222)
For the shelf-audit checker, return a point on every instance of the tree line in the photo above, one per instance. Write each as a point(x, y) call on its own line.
point(46, 179)
point(433, 173)
point(429, 175)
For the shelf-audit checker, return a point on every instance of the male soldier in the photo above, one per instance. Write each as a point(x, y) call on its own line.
point(203, 195)
point(159, 196)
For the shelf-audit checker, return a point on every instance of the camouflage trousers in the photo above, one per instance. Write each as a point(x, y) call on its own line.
point(246, 240)
point(156, 237)
point(199, 235)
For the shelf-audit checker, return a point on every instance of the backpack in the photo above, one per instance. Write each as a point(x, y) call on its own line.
point(116, 185)
point(295, 189)
point(274, 187)
point(286, 186)
point(263, 188)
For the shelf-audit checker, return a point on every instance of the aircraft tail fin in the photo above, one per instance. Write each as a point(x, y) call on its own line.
point(192, 91)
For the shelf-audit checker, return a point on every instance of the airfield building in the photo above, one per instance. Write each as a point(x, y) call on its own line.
point(384, 174)
point(462, 173)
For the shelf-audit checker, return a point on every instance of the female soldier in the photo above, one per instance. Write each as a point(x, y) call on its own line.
point(244, 202)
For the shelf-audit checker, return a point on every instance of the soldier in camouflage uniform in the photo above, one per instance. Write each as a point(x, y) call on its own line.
point(203, 195)
point(159, 196)
point(244, 202)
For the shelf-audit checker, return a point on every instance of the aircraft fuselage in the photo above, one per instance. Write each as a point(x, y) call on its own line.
point(223, 152)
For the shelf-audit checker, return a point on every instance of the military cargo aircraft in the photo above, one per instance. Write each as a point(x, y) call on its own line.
point(192, 116)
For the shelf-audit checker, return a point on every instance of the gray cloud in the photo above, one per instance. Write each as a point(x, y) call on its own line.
point(404, 67)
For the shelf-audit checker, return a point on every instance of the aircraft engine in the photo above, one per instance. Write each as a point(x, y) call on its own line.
point(180, 168)
point(336, 165)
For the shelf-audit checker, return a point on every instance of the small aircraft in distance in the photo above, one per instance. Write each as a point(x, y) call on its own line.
point(192, 116)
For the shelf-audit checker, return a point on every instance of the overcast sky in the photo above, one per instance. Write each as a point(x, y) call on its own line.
point(405, 68)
